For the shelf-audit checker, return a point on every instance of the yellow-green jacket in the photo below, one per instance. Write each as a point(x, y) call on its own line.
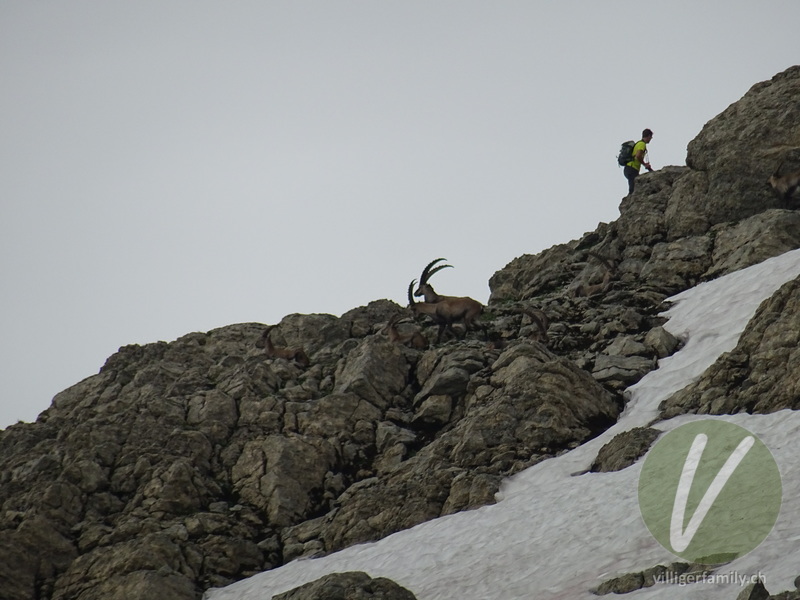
point(640, 145)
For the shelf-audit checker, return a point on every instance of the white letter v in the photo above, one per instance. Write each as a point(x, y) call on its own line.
point(679, 538)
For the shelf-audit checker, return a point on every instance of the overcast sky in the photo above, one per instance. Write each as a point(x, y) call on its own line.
point(176, 166)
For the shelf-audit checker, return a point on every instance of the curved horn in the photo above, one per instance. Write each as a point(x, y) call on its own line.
point(411, 292)
point(603, 260)
point(436, 270)
point(426, 272)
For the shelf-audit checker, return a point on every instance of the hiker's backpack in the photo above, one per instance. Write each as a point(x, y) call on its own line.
point(625, 153)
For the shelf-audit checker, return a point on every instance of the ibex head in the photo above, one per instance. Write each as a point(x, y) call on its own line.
point(425, 289)
point(784, 185)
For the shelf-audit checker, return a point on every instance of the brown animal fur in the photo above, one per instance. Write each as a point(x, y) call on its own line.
point(446, 311)
point(586, 289)
point(784, 185)
point(541, 322)
point(413, 339)
point(296, 354)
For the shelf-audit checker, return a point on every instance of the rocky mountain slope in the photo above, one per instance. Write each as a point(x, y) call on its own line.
point(565, 529)
point(192, 464)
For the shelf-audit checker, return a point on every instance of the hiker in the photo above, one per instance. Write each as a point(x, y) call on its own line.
point(633, 167)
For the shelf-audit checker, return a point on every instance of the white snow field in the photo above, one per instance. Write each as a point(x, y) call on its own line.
point(555, 533)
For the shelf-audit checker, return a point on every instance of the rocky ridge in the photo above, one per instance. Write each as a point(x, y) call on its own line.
point(192, 464)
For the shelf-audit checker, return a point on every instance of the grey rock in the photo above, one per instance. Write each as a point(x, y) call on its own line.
point(679, 264)
point(642, 220)
point(625, 369)
point(673, 574)
point(624, 450)
point(278, 474)
point(375, 370)
point(388, 434)
point(661, 342)
point(754, 591)
point(354, 585)
point(434, 410)
point(738, 150)
point(626, 345)
point(745, 243)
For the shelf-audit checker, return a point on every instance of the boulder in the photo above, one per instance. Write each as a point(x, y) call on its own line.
point(754, 591)
point(742, 244)
point(354, 585)
point(624, 450)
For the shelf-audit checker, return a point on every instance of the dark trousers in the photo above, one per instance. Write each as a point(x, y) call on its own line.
point(631, 174)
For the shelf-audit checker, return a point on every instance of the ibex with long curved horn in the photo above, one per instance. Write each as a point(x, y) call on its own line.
point(296, 354)
point(413, 338)
point(446, 311)
point(426, 289)
point(784, 185)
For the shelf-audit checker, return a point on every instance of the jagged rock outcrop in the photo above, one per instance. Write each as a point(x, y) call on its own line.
point(754, 591)
point(760, 375)
point(793, 595)
point(683, 574)
point(687, 224)
point(348, 586)
point(734, 155)
point(673, 574)
point(526, 406)
point(624, 450)
point(191, 464)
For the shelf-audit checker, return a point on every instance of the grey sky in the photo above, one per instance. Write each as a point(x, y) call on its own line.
point(169, 167)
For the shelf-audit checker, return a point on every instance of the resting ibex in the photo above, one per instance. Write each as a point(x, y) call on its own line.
point(296, 354)
point(784, 185)
point(536, 333)
point(412, 338)
point(586, 289)
point(446, 311)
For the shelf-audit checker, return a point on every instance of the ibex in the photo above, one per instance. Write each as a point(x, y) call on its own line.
point(541, 323)
point(784, 185)
point(538, 333)
point(413, 338)
point(296, 354)
point(446, 311)
point(586, 289)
